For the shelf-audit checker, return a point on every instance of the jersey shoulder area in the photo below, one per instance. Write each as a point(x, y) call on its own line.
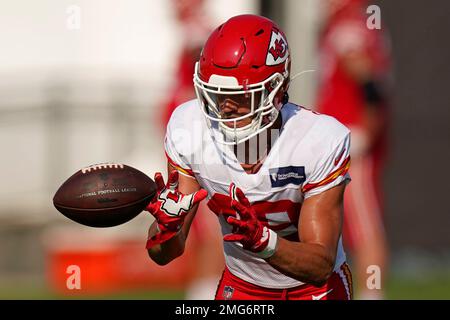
point(185, 116)
point(320, 143)
point(319, 127)
point(184, 136)
point(329, 127)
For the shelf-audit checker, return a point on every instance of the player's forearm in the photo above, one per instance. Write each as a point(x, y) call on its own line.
point(167, 251)
point(306, 262)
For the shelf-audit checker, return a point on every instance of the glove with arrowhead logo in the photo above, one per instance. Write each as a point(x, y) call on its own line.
point(170, 207)
point(247, 229)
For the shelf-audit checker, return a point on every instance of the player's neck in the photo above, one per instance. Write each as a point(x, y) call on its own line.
point(252, 153)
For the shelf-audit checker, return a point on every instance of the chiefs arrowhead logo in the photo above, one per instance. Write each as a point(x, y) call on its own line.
point(278, 49)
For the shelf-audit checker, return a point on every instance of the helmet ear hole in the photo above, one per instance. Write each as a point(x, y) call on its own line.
point(274, 83)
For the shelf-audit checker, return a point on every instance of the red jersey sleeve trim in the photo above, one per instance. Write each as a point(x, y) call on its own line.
point(179, 168)
point(342, 170)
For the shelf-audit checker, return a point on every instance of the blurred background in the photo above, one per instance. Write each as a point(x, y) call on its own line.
point(84, 82)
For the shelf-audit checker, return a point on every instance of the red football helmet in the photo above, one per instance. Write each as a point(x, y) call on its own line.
point(246, 59)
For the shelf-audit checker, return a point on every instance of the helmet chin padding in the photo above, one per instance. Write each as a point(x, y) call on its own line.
point(235, 134)
point(260, 123)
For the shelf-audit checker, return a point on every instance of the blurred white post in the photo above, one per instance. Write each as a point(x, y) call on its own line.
point(301, 27)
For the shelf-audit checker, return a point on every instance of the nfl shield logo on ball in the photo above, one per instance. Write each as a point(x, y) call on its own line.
point(227, 292)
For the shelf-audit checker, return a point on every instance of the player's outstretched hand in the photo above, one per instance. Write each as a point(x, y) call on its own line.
point(170, 207)
point(248, 230)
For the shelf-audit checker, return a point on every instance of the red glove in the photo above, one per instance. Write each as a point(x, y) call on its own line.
point(170, 207)
point(248, 230)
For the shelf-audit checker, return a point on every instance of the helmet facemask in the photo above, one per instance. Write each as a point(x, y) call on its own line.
point(258, 97)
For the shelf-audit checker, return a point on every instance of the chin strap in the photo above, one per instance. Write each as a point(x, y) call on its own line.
point(285, 98)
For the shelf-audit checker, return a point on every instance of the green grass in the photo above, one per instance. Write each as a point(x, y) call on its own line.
point(432, 286)
point(39, 292)
point(135, 295)
point(436, 287)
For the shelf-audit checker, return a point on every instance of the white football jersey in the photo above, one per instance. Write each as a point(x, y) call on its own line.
point(309, 156)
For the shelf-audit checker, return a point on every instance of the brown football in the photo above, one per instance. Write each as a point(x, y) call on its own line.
point(104, 195)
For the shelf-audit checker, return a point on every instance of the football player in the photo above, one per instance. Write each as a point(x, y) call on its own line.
point(273, 172)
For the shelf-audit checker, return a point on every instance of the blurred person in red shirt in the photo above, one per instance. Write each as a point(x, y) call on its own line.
point(195, 28)
point(354, 63)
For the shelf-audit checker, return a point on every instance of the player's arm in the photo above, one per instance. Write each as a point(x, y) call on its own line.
point(320, 221)
point(312, 259)
point(164, 252)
